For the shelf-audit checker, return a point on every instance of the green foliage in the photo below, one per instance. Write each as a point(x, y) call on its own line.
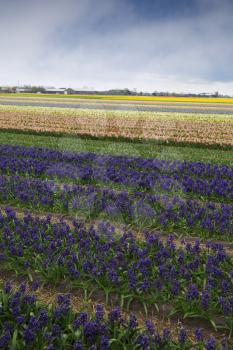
point(119, 147)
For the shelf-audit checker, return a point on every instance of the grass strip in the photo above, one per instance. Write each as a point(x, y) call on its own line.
point(111, 146)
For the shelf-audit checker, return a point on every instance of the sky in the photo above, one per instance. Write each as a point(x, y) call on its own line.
point(150, 45)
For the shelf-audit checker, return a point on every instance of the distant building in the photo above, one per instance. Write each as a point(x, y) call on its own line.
point(4, 89)
point(56, 91)
point(206, 94)
point(21, 90)
point(7, 89)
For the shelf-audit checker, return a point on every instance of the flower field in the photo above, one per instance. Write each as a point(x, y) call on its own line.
point(136, 251)
point(165, 99)
point(188, 128)
point(41, 328)
point(117, 104)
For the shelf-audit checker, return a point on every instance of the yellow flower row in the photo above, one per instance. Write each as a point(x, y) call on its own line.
point(217, 100)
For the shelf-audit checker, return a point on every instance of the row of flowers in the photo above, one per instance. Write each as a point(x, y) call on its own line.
point(164, 126)
point(140, 209)
point(27, 324)
point(196, 281)
point(149, 165)
point(113, 173)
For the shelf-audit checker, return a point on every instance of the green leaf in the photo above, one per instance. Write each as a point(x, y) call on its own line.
point(173, 312)
point(30, 277)
point(78, 334)
point(190, 314)
point(145, 308)
point(213, 324)
point(157, 307)
point(14, 340)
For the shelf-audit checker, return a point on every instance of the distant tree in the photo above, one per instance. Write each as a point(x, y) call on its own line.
point(70, 91)
point(35, 89)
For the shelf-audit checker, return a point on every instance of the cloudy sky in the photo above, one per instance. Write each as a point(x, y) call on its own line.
point(165, 45)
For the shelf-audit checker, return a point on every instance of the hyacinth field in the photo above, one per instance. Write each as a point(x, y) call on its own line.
point(116, 226)
point(190, 128)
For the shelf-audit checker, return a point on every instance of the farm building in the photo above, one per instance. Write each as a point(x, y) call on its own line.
point(56, 91)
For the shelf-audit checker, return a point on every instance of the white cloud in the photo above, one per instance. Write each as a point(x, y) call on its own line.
point(72, 43)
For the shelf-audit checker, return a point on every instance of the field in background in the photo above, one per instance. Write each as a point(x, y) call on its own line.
point(140, 208)
point(115, 105)
point(186, 128)
point(129, 98)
